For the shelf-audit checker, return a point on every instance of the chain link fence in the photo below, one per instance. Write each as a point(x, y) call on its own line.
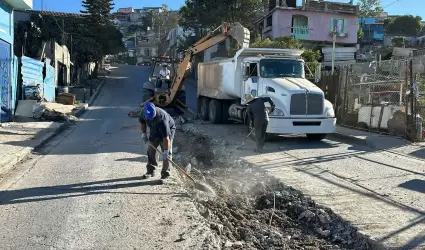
point(310, 69)
point(373, 96)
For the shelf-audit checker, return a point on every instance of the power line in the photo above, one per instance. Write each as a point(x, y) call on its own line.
point(391, 4)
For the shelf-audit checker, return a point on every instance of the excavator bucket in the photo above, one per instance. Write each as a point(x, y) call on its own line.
point(240, 34)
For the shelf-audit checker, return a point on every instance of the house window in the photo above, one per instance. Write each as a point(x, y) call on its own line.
point(339, 26)
point(147, 52)
point(269, 21)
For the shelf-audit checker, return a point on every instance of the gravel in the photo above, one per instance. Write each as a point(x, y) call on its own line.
point(253, 210)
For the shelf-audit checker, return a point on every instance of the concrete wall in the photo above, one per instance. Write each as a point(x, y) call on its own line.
point(62, 56)
point(8, 73)
point(319, 24)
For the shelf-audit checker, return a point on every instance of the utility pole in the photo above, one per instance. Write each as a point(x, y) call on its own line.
point(333, 48)
point(135, 48)
point(63, 31)
point(71, 45)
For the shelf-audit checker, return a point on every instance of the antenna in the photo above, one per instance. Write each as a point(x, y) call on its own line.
point(42, 4)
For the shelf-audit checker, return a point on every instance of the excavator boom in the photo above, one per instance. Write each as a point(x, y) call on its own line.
point(236, 30)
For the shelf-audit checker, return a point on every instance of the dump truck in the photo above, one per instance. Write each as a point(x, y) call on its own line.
point(301, 107)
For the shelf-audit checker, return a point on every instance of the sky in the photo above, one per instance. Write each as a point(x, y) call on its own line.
point(393, 7)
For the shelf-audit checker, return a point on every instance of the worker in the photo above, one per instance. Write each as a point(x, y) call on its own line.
point(259, 117)
point(162, 130)
point(165, 72)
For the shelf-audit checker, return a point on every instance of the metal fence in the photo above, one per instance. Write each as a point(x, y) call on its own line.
point(373, 95)
point(385, 97)
point(311, 71)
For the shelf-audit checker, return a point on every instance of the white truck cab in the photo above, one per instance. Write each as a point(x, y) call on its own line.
point(301, 107)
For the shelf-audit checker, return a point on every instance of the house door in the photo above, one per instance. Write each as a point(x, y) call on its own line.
point(251, 82)
point(5, 81)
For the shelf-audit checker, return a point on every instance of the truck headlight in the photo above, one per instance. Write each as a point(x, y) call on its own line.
point(330, 112)
point(277, 112)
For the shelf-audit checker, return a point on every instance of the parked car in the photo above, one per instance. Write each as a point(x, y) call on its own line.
point(144, 64)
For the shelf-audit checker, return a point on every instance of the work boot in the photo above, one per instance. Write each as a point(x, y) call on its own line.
point(148, 175)
point(165, 175)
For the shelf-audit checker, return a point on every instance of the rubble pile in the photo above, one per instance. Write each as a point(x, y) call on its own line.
point(253, 210)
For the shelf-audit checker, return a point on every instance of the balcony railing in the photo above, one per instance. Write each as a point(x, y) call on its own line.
point(300, 32)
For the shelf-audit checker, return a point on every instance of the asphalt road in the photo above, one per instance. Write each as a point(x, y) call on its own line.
point(84, 191)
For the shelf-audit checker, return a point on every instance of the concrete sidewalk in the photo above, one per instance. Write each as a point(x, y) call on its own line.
point(374, 140)
point(380, 142)
point(19, 138)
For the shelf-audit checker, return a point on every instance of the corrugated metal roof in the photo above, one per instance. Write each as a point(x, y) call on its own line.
point(56, 14)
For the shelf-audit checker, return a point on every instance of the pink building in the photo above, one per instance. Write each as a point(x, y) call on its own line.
point(314, 22)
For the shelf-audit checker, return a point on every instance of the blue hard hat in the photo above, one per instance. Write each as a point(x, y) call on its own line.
point(149, 110)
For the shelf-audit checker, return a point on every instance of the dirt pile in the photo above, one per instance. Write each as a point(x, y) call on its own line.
point(255, 211)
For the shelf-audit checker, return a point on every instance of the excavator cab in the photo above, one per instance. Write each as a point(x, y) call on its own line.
point(158, 85)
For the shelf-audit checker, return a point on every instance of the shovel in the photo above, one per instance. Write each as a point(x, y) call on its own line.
point(199, 186)
point(243, 143)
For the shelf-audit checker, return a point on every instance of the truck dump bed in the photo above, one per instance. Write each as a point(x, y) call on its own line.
point(217, 79)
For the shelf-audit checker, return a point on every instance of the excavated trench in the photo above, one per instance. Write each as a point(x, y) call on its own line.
point(253, 210)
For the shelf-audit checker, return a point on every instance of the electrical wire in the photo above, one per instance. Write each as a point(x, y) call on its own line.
point(391, 4)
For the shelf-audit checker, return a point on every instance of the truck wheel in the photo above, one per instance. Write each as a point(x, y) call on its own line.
point(316, 137)
point(204, 110)
point(215, 112)
point(225, 109)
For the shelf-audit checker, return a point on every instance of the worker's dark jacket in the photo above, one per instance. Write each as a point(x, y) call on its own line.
point(257, 110)
point(161, 126)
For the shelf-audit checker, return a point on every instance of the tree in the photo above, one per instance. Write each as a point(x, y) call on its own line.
point(211, 14)
point(369, 8)
point(98, 11)
point(399, 41)
point(161, 24)
point(407, 25)
point(101, 28)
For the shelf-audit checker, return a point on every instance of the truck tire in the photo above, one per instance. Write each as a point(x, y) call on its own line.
point(225, 109)
point(316, 137)
point(215, 112)
point(204, 110)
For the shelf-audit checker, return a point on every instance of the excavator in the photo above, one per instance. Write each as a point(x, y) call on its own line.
point(166, 92)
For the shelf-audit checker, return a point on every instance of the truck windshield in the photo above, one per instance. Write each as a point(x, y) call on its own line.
point(272, 68)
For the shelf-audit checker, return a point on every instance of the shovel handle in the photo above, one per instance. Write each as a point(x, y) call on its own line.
point(172, 162)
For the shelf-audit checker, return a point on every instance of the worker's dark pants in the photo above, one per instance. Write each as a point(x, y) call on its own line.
point(260, 126)
point(152, 162)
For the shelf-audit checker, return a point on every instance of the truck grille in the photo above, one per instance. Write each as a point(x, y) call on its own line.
point(313, 106)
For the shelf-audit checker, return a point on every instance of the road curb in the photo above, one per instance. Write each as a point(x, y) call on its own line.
point(97, 92)
point(81, 111)
point(9, 161)
point(350, 139)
